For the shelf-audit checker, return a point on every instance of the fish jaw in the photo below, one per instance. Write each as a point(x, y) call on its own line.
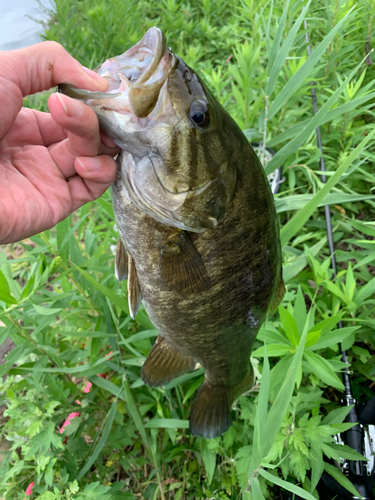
point(146, 112)
point(135, 79)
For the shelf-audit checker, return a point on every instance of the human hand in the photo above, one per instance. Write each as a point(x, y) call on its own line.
point(49, 162)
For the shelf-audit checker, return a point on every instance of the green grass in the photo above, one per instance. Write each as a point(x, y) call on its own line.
point(63, 308)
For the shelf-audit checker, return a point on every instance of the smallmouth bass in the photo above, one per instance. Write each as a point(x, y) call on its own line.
point(199, 238)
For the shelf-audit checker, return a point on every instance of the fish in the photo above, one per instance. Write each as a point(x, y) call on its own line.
point(199, 239)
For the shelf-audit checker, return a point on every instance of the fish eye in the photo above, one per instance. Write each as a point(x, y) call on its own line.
point(198, 114)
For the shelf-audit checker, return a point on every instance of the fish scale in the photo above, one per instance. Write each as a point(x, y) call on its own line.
point(198, 229)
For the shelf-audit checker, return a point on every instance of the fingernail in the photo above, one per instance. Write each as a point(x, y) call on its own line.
point(61, 99)
point(88, 163)
point(71, 107)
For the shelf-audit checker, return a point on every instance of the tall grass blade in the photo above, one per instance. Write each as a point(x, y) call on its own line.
point(303, 72)
point(296, 490)
point(278, 37)
point(295, 224)
point(98, 448)
point(292, 146)
point(278, 62)
point(340, 478)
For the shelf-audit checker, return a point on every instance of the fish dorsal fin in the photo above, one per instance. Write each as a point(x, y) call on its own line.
point(121, 262)
point(134, 291)
point(164, 363)
point(181, 265)
point(278, 297)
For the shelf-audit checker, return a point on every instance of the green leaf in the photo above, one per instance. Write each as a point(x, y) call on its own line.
point(296, 490)
point(299, 311)
point(333, 288)
point(312, 338)
point(334, 337)
point(277, 40)
point(289, 325)
point(209, 460)
point(256, 492)
point(119, 301)
point(108, 386)
point(47, 311)
point(346, 452)
point(145, 334)
point(183, 378)
point(167, 423)
point(103, 439)
point(337, 416)
point(278, 409)
point(341, 479)
point(350, 283)
point(326, 325)
point(262, 405)
point(5, 294)
point(69, 234)
point(273, 350)
point(317, 467)
point(136, 416)
point(95, 491)
point(323, 370)
point(365, 292)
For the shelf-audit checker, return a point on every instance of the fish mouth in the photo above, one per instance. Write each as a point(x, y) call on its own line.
point(136, 77)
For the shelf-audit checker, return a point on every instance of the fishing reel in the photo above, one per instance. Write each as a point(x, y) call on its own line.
point(361, 438)
point(361, 474)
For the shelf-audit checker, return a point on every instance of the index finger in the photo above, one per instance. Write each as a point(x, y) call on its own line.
point(45, 65)
point(37, 68)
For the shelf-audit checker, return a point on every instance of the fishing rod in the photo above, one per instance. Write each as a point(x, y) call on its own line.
point(360, 437)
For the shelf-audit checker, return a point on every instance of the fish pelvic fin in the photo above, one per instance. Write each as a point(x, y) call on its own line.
point(210, 414)
point(181, 265)
point(164, 363)
point(278, 297)
point(134, 291)
point(121, 262)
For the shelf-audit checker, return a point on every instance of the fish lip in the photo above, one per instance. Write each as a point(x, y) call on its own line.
point(196, 191)
point(143, 89)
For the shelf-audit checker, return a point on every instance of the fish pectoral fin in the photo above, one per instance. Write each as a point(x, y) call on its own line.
point(164, 363)
point(210, 415)
point(121, 262)
point(279, 294)
point(181, 265)
point(134, 291)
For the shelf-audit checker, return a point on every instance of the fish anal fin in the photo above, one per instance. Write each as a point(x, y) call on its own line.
point(278, 297)
point(164, 363)
point(210, 414)
point(121, 262)
point(134, 291)
point(181, 265)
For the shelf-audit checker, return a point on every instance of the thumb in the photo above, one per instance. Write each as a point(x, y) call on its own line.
point(37, 68)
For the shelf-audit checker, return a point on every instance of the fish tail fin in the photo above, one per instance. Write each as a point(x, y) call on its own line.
point(210, 415)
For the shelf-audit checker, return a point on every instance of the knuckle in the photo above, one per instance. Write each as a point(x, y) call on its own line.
point(52, 46)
